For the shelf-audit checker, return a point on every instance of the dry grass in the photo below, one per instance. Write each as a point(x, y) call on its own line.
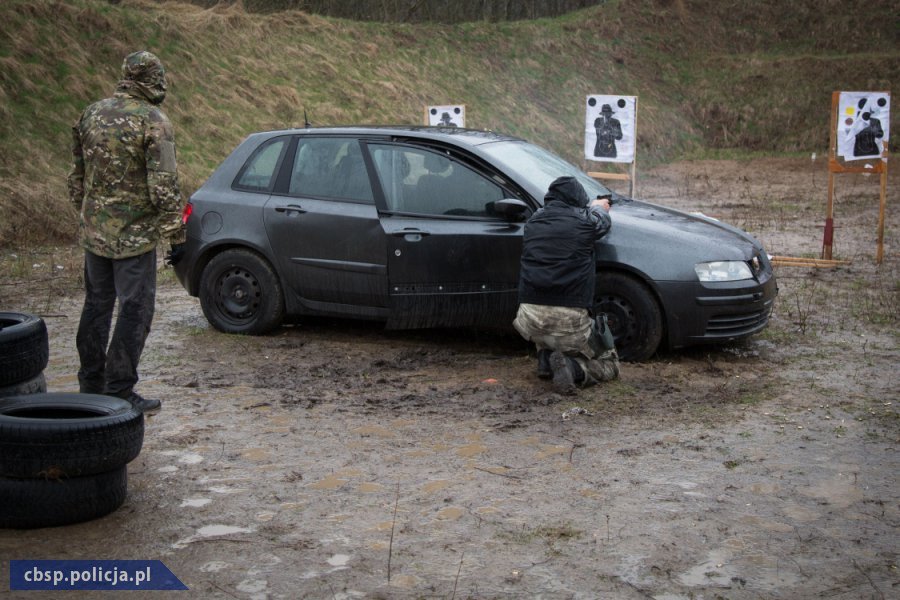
point(233, 73)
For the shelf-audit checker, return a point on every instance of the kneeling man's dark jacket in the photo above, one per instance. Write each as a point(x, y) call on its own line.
point(558, 265)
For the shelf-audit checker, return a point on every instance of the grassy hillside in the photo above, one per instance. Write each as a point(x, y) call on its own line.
point(710, 75)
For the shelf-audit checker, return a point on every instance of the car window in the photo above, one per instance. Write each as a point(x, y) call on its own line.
point(539, 166)
point(420, 181)
point(331, 168)
point(257, 173)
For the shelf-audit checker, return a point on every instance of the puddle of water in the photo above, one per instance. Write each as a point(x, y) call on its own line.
point(470, 450)
point(196, 502)
point(281, 420)
point(451, 513)
point(487, 510)
point(339, 560)
point(406, 582)
point(253, 586)
point(715, 570)
point(190, 459)
point(548, 451)
point(530, 441)
point(215, 566)
point(720, 567)
point(224, 489)
point(435, 486)
point(214, 530)
point(211, 531)
point(840, 491)
point(256, 454)
point(332, 482)
point(370, 488)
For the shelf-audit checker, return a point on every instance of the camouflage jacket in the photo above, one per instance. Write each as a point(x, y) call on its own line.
point(124, 180)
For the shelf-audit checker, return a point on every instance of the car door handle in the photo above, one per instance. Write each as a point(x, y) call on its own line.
point(290, 208)
point(410, 231)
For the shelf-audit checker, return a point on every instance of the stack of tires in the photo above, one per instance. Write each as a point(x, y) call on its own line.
point(63, 456)
point(24, 351)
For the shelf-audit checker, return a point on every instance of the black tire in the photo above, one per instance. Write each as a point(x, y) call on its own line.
point(24, 349)
point(240, 293)
point(33, 503)
point(48, 436)
point(635, 318)
point(35, 385)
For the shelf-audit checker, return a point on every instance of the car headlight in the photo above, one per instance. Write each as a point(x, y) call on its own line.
point(723, 270)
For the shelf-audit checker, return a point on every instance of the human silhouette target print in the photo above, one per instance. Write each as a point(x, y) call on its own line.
point(609, 128)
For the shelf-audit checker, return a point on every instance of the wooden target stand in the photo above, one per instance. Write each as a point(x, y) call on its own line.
point(629, 177)
point(835, 166)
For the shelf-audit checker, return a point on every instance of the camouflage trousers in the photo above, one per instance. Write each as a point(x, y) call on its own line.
point(110, 366)
point(570, 331)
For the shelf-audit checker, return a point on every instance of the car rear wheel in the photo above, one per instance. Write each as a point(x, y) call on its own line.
point(635, 318)
point(240, 293)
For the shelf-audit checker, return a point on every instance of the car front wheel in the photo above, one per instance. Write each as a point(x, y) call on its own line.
point(240, 293)
point(635, 319)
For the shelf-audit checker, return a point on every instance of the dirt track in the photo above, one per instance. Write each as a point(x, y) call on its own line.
point(336, 460)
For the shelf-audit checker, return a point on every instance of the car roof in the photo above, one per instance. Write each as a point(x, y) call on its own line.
point(457, 135)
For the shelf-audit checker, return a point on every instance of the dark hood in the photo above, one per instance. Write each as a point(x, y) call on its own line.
point(568, 191)
point(143, 76)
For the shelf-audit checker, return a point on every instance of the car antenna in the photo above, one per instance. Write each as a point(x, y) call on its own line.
point(306, 122)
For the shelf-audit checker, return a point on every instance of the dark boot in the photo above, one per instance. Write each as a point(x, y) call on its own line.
point(544, 370)
point(563, 374)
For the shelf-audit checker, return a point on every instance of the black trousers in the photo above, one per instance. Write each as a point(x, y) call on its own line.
point(110, 366)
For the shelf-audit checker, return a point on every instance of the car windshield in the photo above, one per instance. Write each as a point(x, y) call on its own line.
point(539, 167)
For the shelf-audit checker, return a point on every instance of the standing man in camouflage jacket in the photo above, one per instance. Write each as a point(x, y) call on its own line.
point(125, 184)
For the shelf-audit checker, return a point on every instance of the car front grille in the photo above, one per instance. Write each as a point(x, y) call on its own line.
point(736, 324)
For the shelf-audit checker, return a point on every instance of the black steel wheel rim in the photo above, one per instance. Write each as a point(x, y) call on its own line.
point(621, 318)
point(238, 295)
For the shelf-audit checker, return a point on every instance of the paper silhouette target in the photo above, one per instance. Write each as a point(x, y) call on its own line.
point(863, 122)
point(609, 128)
point(446, 116)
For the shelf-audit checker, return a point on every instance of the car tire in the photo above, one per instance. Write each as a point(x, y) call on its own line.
point(33, 503)
point(35, 385)
point(635, 318)
point(24, 349)
point(56, 435)
point(240, 293)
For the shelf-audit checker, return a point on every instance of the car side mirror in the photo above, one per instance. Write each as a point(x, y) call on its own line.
point(509, 209)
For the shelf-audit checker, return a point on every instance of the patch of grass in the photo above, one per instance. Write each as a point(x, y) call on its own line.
point(527, 78)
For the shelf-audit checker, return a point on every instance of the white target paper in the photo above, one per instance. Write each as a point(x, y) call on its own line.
point(453, 115)
point(863, 121)
point(609, 128)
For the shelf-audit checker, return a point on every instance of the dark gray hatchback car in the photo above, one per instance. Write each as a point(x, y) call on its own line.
point(422, 227)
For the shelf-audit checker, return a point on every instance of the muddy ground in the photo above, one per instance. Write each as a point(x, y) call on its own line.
point(336, 460)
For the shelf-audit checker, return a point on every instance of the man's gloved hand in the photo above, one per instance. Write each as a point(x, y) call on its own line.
point(175, 254)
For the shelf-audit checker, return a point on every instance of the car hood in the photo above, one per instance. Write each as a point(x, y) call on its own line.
point(665, 243)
